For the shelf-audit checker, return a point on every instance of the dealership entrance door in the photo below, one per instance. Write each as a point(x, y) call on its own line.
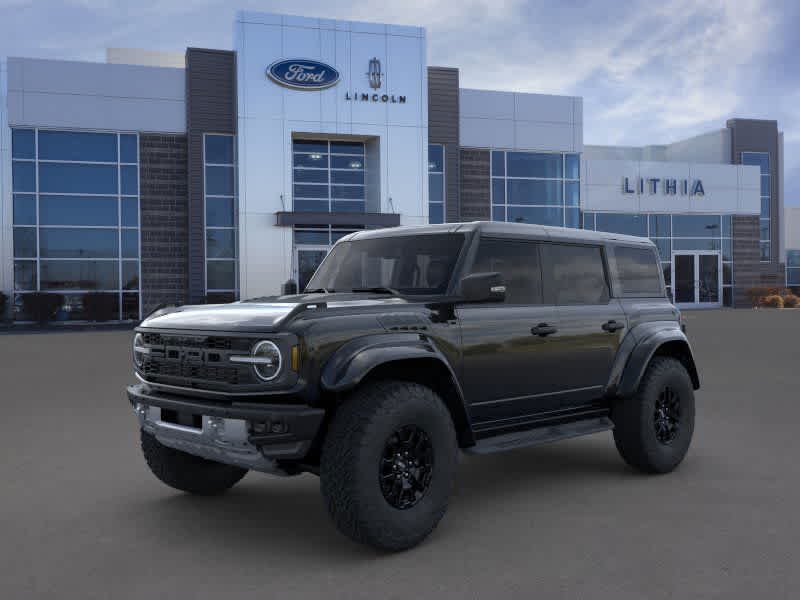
point(697, 279)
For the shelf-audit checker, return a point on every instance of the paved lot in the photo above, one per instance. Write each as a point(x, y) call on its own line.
point(81, 517)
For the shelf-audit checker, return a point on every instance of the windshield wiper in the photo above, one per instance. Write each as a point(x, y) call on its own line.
point(377, 290)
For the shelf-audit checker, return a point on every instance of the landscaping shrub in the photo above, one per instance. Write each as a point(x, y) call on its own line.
point(790, 301)
point(41, 306)
point(98, 306)
point(773, 301)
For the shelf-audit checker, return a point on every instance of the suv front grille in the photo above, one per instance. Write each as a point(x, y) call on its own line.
point(155, 368)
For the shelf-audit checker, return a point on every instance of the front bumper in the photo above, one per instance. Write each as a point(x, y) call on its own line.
point(246, 434)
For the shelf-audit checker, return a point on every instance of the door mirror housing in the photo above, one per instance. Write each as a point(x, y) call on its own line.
point(483, 287)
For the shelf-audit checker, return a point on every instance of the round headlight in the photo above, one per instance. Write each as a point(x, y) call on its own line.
point(268, 360)
point(138, 350)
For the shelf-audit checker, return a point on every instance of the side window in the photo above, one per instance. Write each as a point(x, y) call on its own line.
point(518, 265)
point(638, 271)
point(574, 274)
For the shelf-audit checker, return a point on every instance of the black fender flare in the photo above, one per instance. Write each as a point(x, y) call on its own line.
point(357, 358)
point(636, 353)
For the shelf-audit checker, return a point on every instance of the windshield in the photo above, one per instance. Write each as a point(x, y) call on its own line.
point(420, 264)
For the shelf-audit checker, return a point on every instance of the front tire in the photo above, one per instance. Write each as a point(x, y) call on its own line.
point(388, 464)
point(653, 429)
point(186, 472)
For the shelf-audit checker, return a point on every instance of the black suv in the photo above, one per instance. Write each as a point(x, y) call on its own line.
point(408, 346)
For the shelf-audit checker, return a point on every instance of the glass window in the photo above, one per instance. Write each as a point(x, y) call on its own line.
point(536, 214)
point(220, 243)
point(531, 164)
point(696, 244)
point(130, 307)
point(793, 258)
point(221, 274)
point(435, 158)
point(696, 225)
point(219, 149)
point(23, 143)
point(77, 210)
point(315, 238)
point(78, 146)
point(765, 250)
point(129, 180)
point(24, 209)
point(727, 249)
point(23, 176)
point(219, 181)
point(310, 191)
point(627, 224)
point(67, 178)
point(531, 191)
point(128, 148)
point(130, 275)
point(310, 146)
point(351, 177)
point(56, 242)
point(727, 273)
point(572, 192)
point(436, 181)
point(498, 163)
point(573, 166)
point(25, 242)
point(638, 271)
point(25, 275)
point(320, 161)
point(498, 191)
point(130, 243)
point(347, 192)
point(347, 206)
point(765, 207)
point(764, 229)
point(312, 175)
point(130, 212)
point(664, 247)
point(574, 274)
point(219, 212)
point(347, 148)
point(312, 205)
point(498, 213)
point(79, 275)
point(660, 226)
point(588, 221)
point(343, 162)
point(436, 213)
point(518, 265)
point(572, 217)
point(727, 226)
point(759, 159)
point(765, 191)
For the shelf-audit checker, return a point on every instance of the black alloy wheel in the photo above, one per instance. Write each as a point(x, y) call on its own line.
point(406, 467)
point(667, 415)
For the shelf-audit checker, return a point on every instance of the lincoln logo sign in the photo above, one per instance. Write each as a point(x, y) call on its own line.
point(667, 186)
point(302, 74)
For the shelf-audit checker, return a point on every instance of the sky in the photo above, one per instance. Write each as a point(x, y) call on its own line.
point(649, 72)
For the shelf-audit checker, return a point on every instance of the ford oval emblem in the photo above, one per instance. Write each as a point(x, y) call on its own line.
point(303, 74)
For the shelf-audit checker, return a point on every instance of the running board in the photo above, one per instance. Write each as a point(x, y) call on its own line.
point(540, 435)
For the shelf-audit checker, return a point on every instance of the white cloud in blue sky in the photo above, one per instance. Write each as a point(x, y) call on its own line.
point(649, 72)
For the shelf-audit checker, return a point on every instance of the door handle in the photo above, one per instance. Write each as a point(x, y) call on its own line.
point(543, 329)
point(612, 326)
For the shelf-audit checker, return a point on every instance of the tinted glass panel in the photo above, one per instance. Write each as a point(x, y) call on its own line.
point(518, 265)
point(588, 221)
point(311, 175)
point(436, 187)
point(765, 185)
point(310, 146)
point(572, 218)
point(347, 192)
point(528, 164)
point(347, 148)
point(74, 145)
point(347, 206)
point(793, 258)
point(24, 209)
point(130, 180)
point(763, 229)
point(660, 226)
point(358, 177)
point(79, 275)
point(531, 191)
point(25, 242)
point(78, 243)
point(130, 212)
point(574, 274)
point(221, 274)
point(695, 244)
point(573, 166)
point(727, 249)
point(536, 215)
point(436, 213)
point(572, 189)
point(219, 212)
point(77, 179)
point(344, 162)
point(219, 181)
point(25, 275)
point(696, 225)
point(311, 205)
point(130, 275)
point(23, 143)
point(664, 246)
point(317, 238)
point(498, 191)
point(128, 149)
point(727, 297)
point(318, 161)
point(23, 176)
point(130, 307)
point(435, 158)
point(638, 271)
point(727, 273)
point(765, 207)
point(219, 149)
point(77, 210)
point(498, 163)
point(498, 213)
point(727, 226)
point(760, 159)
point(628, 224)
point(310, 191)
point(220, 243)
point(307, 263)
point(130, 243)
point(793, 277)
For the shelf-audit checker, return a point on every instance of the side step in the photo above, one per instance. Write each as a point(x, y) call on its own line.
point(540, 435)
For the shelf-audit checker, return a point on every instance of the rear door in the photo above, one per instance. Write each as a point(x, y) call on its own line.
point(591, 322)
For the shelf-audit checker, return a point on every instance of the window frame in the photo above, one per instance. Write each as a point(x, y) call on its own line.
point(620, 288)
point(473, 259)
point(548, 287)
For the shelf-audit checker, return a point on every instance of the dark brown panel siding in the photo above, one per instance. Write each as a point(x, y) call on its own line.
point(443, 129)
point(164, 215)
point(475, 199)
point(210, 108)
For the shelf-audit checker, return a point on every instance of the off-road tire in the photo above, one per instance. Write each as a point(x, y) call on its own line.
point(186, 472)
point(351, 459)
point(634, 429)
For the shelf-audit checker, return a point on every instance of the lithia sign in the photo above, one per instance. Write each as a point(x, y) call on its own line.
point(667, 186)
point(306, 74)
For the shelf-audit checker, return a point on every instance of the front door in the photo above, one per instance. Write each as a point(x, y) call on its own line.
point(697, 279)
point(307, 261)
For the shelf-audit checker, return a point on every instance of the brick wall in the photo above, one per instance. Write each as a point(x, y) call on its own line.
point(475, 199)
point(748, 270)
point(165, 233)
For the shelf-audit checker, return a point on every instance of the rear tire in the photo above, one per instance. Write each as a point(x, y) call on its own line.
point(388, 464)
point(186, 472)
point(653, 429)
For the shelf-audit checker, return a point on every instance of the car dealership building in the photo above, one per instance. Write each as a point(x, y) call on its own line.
point(222, 174)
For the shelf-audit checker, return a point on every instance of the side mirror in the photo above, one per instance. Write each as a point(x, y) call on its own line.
point(483, 287)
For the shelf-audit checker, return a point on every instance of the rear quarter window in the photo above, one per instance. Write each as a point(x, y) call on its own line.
point(638, 272)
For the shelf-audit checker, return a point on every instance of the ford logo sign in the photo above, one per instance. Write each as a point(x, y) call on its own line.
point(303, 74)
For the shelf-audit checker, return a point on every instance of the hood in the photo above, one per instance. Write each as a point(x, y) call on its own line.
point(259, 315)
